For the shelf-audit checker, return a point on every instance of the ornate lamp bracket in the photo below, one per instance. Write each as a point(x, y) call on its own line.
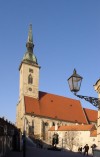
point(94, 101)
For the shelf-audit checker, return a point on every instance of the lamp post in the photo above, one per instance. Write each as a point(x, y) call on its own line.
point(74, 82)
point(24, 137)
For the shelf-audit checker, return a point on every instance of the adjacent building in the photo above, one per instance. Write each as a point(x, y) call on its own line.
point(74, 136)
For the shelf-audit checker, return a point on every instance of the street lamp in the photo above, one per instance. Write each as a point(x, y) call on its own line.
point(74, 82)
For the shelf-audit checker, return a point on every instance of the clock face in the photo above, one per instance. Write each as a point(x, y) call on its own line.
point(30, 89)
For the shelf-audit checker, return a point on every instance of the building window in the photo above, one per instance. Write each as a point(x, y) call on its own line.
point(53, 123)
point(32, 128)
point(46, 123)
point(32, 123)
point(30, 79)
point(31, 70)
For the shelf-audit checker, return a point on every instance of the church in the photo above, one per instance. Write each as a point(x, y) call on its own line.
point(38, 112)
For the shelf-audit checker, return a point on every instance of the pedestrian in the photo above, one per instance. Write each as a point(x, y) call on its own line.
point(81, 149)
point(86, 149)
point(93, 147)
point(78, 149)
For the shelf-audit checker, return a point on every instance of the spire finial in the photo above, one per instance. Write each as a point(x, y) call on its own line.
point(29, 43)
point(30, 36)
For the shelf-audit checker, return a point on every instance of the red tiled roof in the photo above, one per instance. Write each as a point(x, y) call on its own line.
point(74, 128)
point(56, 107)
point(93, 133)
point(91, 115)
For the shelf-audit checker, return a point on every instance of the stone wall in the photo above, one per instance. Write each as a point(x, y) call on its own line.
point(10, 137)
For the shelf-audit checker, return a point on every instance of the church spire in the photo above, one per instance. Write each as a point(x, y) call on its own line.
point(29, 43)
point(29, 56)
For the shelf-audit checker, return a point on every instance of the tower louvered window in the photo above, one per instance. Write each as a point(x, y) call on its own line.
point(30, 79)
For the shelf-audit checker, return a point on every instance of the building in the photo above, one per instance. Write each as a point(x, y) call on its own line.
point(74, 136)
point(38, 111)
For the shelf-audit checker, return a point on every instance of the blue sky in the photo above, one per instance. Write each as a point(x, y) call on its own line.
point(66, 35)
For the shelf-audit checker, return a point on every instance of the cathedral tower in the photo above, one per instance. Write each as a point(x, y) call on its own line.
point(29, 80)
point(29, 71)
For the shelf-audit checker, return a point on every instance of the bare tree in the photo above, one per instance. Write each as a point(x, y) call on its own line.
point(71, 139)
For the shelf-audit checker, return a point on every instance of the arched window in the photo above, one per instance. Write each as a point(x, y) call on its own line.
point(53, 123)
point(30, 79)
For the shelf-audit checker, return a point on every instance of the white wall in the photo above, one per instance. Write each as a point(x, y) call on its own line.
point(82, 138)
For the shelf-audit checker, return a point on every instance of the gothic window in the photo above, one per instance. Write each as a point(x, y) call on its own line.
point(30, 79)
point(46, 123)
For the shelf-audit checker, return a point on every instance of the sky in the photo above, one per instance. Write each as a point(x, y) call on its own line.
point(66, 35)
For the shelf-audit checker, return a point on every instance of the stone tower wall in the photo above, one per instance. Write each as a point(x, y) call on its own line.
point(25, 88)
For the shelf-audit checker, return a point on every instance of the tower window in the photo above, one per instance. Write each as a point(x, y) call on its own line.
point(31, 70)
point(30, 79)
